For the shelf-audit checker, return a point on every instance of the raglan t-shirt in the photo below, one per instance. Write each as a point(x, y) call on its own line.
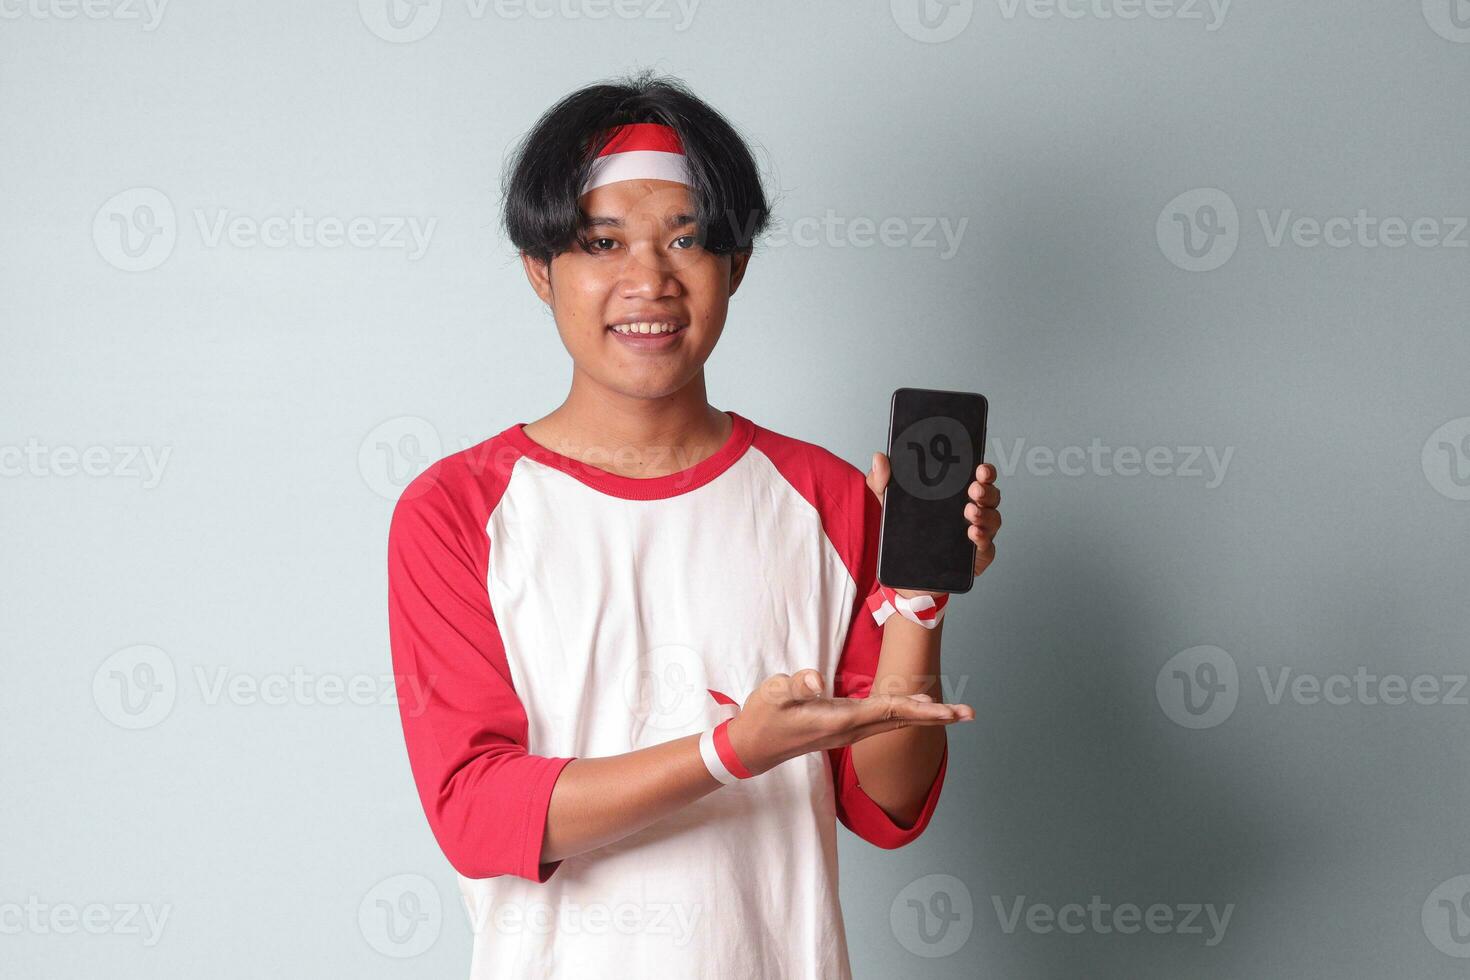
point(542, 610)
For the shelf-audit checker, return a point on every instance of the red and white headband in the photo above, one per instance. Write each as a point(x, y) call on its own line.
point(640, 151)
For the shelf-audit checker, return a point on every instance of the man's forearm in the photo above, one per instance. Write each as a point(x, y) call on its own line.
point(897, 768)
point(597, 801)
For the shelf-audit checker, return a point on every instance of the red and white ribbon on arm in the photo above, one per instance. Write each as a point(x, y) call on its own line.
point(719, 755)
point(925, 610)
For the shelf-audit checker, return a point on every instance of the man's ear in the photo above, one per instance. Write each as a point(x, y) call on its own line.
point(738, 262)
point(539, 274)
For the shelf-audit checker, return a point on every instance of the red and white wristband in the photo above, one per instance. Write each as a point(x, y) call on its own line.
point(719, 755)
point(926, 610)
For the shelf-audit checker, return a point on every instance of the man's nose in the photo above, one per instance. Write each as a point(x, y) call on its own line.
point(648, 270)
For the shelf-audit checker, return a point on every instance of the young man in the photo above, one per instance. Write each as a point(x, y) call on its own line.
point(651, 677)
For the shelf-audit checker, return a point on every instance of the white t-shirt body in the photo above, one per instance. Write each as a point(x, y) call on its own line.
point(543, 610)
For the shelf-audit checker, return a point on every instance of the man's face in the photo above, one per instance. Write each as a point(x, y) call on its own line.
point(643, 261)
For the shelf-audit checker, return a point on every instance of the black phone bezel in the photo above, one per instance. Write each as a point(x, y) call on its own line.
point(883, 521)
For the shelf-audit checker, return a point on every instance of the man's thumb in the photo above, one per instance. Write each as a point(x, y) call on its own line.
point(806, 685)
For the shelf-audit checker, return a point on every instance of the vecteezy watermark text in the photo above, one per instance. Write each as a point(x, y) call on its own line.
point(675, 920)
point(138, 686)
point(1200, 230)
point(149, 12)
point(1103, 918)
point(1208, 463)
point(143, 463)
point(95, 918)
point(1209, 12)
point(832, 230)
point(1200, 687)
point(137, 230)
point(406, 21)
point(937, 21)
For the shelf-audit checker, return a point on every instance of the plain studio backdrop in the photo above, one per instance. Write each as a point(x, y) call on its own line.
point(1208, 262)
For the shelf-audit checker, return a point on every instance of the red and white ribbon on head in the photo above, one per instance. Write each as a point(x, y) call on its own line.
point(925, 610)
point(640, 151)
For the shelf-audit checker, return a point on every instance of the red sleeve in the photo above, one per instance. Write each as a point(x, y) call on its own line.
point(855, 670)
point(486, 798)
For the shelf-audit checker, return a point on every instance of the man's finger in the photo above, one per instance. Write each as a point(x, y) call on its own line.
point(805, 685)
point(887, 707)
point(976, 514)
point(879, 727)
point(775, 690)
point(985, 494)
point(984, 518)
point(984, 555)
point(878, 474)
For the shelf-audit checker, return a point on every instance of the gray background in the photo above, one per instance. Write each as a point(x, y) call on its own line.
point(294, 388)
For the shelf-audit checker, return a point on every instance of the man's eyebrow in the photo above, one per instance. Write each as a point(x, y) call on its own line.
point(672, 221)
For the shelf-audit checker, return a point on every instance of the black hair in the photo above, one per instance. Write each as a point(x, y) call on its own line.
point(543, 180)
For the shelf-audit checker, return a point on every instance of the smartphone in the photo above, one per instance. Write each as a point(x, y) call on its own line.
point(935, 441)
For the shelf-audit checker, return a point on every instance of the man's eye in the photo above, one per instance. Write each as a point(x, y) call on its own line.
point(594, 242)
point(693, 240)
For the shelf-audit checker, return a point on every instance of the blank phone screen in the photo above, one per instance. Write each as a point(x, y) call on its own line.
point(935, 441)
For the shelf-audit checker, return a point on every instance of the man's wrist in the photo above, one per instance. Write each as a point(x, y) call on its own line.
point(750, 755)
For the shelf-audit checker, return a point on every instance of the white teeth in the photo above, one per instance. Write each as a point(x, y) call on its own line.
point(646, 327)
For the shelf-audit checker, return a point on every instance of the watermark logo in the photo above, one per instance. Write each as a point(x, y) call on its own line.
point(932, 21)
point(933, 916)
point(1446, 459)
point(395, 452)
point(135, 230)
point(1198, 687)
point(666, 690)
point(1450, 19)
point(933, 458)
point(1199, 230)
point(1446, 917)
point(400, 21)
point(136, 687)
point(401, 916)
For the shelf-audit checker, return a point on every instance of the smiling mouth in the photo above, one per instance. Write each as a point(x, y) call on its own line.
point(646, 328)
